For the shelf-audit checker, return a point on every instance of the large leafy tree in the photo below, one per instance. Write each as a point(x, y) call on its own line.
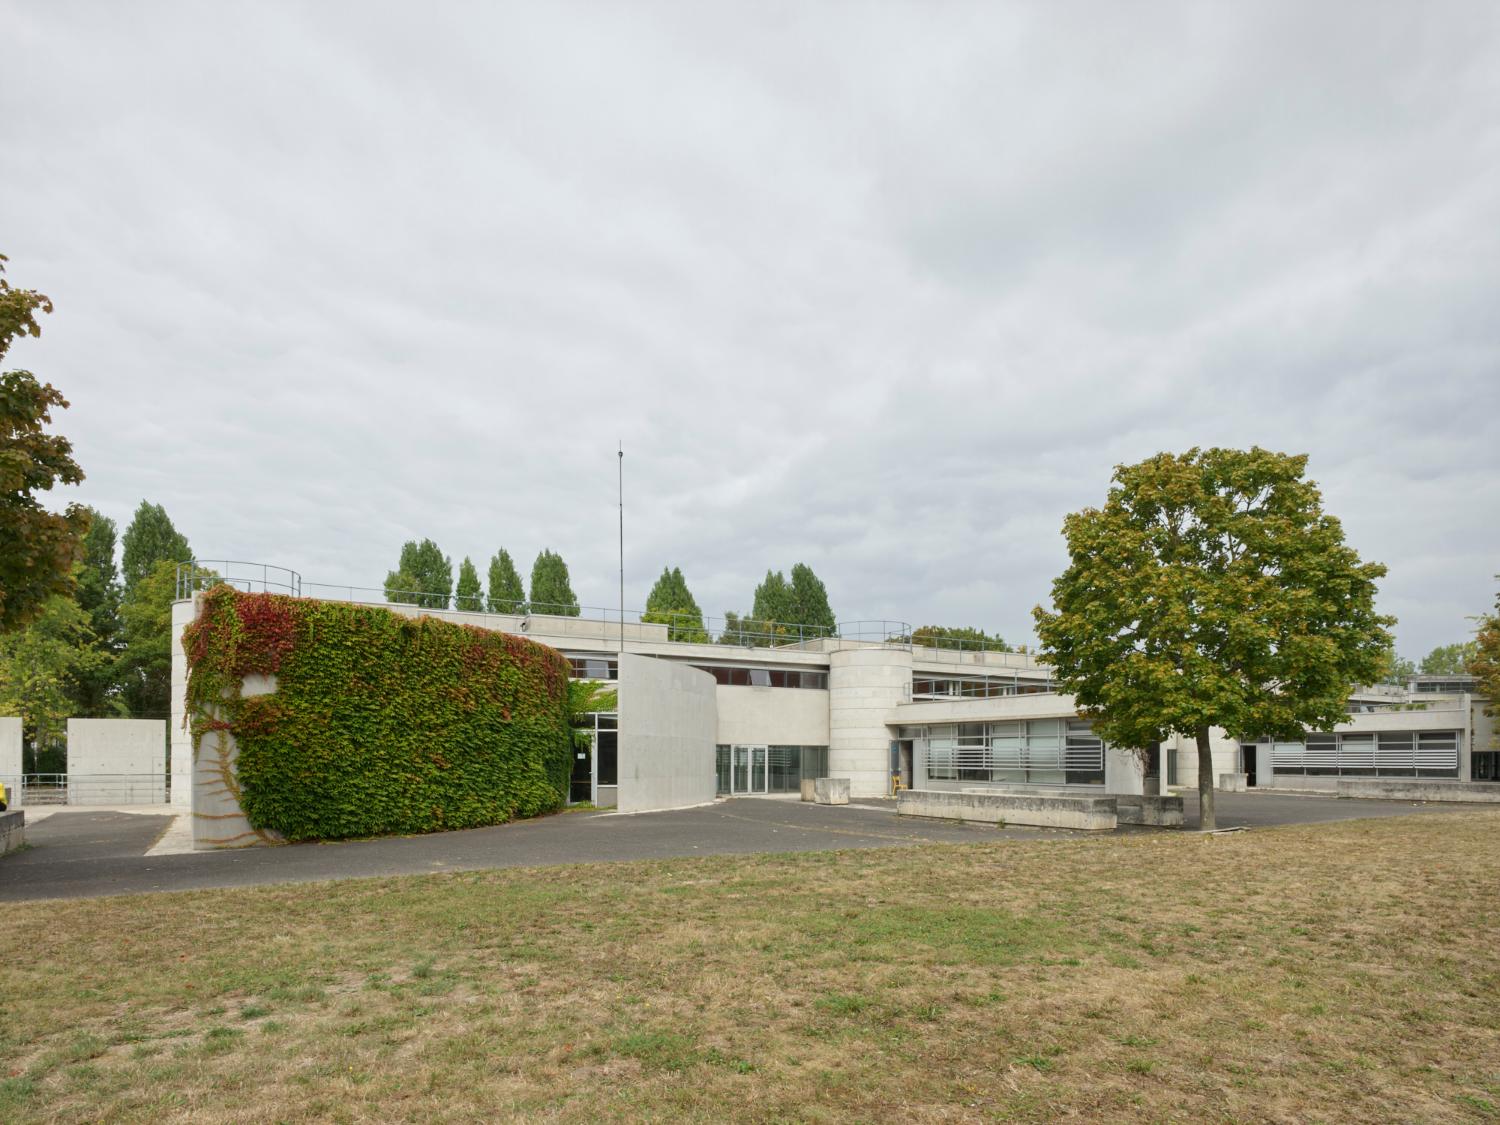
point(99, 598)
point(1211, 590)
point(774, 601)
point(506, 592)
point(671, 603)
point(40, 669)
point(1484, 665)
point(38, 548)
point(1449, 660)
point(1395, 669)
point(423, 577)
point(146, 663)
point(151, 538)
point(470, 594)
point(551, 590)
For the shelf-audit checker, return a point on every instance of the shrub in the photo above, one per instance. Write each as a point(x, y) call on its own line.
point(380, 723)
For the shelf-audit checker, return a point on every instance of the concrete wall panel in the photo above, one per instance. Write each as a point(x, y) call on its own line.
point(668, 723)
point(117, 761)
point(865, 687)
point(10, 757)
point(773, 716)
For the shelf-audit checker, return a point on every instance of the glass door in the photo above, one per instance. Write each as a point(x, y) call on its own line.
point(748, 770)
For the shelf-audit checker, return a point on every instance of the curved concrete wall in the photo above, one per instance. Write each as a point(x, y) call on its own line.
point(865, 686)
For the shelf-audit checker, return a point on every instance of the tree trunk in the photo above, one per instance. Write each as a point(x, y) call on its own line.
point(1206, 819)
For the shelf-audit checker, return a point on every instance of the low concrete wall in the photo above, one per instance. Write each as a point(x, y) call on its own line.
point(1417, 789)
point(1159, 812)
point(1088, 813)
point(1234, 782)
point(12, 830)
point(609, 796)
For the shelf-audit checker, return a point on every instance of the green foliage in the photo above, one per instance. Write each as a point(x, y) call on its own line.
point(40, 667)
point(551, 590)
point(424, 576)
point(506, 594)
point(379, 723)
point(1449, 660)
point(1484, 665)
point(810, 600)
point(941, 636)
point(151, 538)
point(99, 597)
point(145, 666)
point(1395, 669)
point(584, 698)
point(38, 548)
point(1212, 590)
point(783, 611)
point(470, 594)
point(671, 603)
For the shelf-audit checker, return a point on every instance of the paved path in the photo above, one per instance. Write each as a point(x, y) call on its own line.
point(84, 853)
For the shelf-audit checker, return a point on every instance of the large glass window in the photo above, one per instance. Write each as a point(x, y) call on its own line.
point(592, 667)
point(1035, 752)
point(786, 768)
point(731, 676)
point(1368, 754)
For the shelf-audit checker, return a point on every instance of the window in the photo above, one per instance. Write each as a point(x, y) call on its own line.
point(765, 677)
point(592, 667)
point(1035, 752)
point(1368, 754)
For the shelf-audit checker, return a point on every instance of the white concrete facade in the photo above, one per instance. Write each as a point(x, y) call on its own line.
point(117, 762)
point(863, 684)
point(668, 718)
point(10, 758)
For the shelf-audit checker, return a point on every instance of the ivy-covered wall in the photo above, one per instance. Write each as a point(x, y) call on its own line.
point(379, 723)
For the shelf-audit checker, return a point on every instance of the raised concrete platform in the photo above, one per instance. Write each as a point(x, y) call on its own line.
point(1419, 789)
point(831, 791)
point(1234, 782)
point(12, 830)
point(1159, 812)
point(1095, 814)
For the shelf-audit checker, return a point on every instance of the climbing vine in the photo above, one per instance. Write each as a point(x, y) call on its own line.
point(379, 723)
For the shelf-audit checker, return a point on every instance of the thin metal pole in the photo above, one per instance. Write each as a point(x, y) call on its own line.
point(622, 551)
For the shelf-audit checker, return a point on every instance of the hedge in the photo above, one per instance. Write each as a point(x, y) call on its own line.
point(380, 723)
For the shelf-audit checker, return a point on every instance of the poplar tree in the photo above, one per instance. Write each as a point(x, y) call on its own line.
point(424, 576)
point(506, 592)
point(1211, 590)
point(551, 591)
point(671, 603)
point(470, 594)
point(151, 538)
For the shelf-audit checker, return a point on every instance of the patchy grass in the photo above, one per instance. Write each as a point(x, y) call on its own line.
point(1341, 972)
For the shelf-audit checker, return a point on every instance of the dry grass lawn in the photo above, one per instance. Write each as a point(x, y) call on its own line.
point(1346, 972)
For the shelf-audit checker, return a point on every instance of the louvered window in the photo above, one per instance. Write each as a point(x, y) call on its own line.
point(1364, 754)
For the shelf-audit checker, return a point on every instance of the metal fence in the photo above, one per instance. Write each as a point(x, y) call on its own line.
point(34, 789)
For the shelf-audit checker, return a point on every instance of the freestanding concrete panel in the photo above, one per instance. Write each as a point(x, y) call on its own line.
point(668, 723)
point(10, 758)
point(117, 761)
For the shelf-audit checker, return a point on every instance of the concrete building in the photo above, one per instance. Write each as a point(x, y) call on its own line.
point(868, 705)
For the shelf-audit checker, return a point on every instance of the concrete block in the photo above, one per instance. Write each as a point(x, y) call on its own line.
point(1092, 814)
point(1159, 812)
point(1420, 789)
point(831, 790)
point(807, 789)
point(12, 830)
point(10, 757)
point(1234, 782)
point(117, 761)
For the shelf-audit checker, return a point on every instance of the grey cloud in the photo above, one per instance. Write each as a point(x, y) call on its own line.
point(885, 289)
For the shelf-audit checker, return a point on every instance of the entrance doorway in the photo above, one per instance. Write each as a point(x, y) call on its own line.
point(1248, 763)
point(748, 772)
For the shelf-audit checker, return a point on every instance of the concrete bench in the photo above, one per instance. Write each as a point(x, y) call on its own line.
point(1039, 810)
point(1160, 812)
point(831, 790)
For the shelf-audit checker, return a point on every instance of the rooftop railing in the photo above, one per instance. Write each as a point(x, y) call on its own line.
point(574, 621)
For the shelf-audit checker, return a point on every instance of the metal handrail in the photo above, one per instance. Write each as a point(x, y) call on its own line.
point(746, 632)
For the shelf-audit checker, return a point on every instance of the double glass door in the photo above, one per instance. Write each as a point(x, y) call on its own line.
point(747, 772)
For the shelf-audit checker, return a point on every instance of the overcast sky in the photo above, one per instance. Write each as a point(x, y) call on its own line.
point(884, 289)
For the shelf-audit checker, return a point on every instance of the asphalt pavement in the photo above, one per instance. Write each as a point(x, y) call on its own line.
point(82, 853)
